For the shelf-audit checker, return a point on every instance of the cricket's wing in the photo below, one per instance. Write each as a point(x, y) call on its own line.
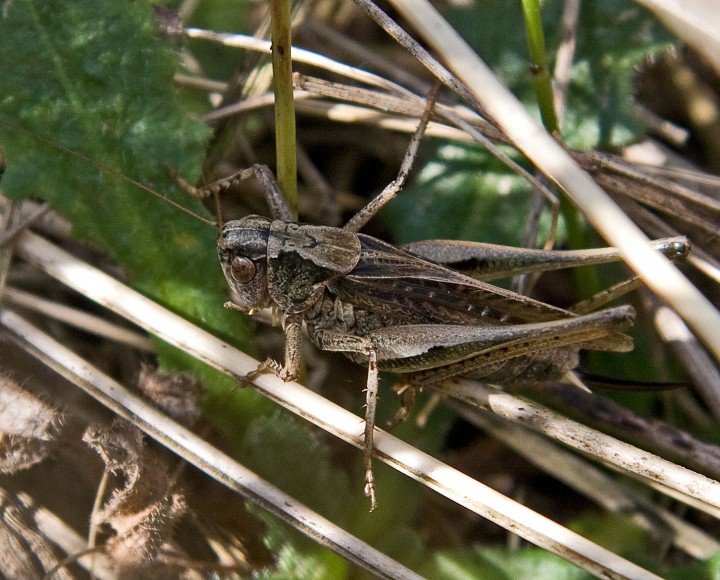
point(403, 289)
point(395, 281)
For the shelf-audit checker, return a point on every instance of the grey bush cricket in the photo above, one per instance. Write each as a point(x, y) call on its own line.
point(403, 309)
point(406, 310)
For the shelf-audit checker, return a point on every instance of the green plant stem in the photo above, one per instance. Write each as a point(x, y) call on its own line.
point(539, 64)
point(577, 233)
point(284, 105)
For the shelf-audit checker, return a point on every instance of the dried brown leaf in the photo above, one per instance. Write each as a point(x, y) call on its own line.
point(28, 427)
point(144, 510)
point(177, 394)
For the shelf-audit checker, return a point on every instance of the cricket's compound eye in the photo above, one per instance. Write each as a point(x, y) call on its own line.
point(242, 269)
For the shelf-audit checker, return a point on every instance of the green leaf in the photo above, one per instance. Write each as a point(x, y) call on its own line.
point(299, 560)
point(612, 38)
point(314, 482)
point(502, 564)
point(462, 194)
point(97, 79)
point(616, 532)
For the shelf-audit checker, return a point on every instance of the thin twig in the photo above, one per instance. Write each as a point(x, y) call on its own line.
point(565, 55)
point(591, 481)
point(77, 318)
point(623, 456)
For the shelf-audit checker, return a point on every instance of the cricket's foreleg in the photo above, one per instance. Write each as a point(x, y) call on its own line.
point(339, 342)
point(291, 369)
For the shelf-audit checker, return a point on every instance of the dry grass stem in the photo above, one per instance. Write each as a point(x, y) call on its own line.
point(593, 482)
point(610, 450)
point(77, 318)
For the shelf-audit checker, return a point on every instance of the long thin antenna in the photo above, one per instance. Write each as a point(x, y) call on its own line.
point(52, 143)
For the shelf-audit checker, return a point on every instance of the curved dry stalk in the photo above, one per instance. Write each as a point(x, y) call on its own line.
point(343, 424)
point(302, 56)
point(592, 482)
point(78, 319)
point(622, 456)
point(249, 104)
point(353, 114)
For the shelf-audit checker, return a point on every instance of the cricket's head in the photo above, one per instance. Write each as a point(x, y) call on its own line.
point(242, 248)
